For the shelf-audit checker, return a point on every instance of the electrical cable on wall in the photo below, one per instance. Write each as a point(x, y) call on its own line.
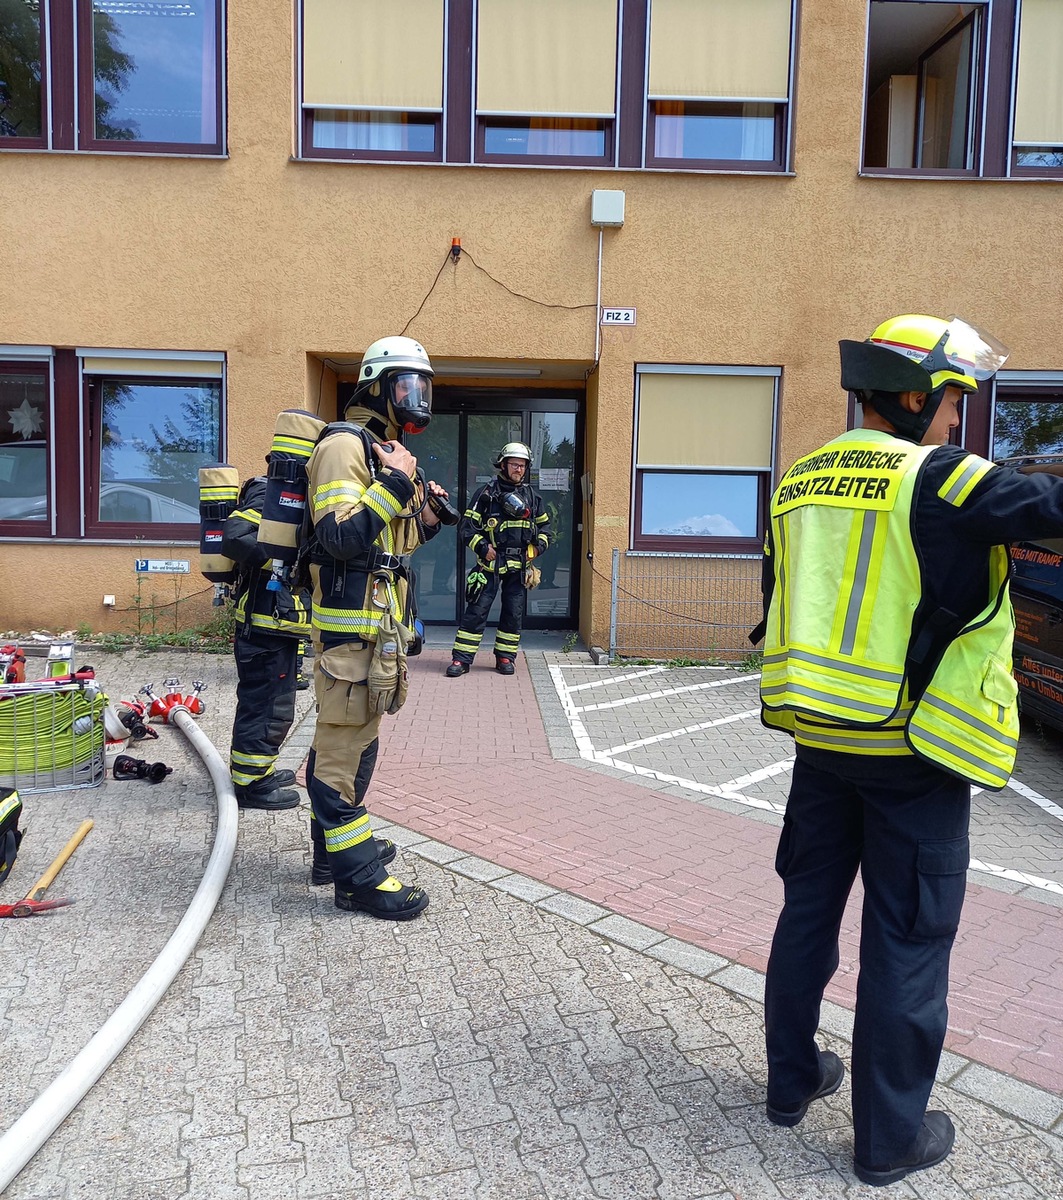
point(454, 255)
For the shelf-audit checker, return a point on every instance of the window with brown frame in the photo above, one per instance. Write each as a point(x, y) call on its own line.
point(687, 84)
point(704, 448)
point(131, 76)
point(1027, 418)
point(25, 444)
point(135, 429)
point(965, 89)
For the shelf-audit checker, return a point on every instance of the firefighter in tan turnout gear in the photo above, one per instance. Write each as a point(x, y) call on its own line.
point(370, 509)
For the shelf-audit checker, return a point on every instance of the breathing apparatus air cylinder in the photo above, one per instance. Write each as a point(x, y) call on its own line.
point(219, 487)
point(279, 532)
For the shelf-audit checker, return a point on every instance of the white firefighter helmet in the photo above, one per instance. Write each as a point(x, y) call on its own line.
point(513, 450)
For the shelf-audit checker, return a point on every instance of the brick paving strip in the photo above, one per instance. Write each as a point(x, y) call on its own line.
point(482, 777)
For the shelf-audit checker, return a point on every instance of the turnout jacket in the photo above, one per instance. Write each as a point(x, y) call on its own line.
point(889, 624)
point(286, 612)
point(364, 530)
point(485, 524)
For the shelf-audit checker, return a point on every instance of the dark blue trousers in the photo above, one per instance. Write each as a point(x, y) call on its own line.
point(265, 705)
point(903, 824)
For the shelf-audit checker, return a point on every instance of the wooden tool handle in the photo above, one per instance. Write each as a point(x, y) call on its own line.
point(44, 883)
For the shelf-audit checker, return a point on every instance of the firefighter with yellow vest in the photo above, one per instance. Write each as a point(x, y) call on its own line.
point(270, 627)
point(370, 508)
point(887, 655)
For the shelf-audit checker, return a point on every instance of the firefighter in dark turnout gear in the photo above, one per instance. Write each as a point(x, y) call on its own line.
point(370, 510)
point(505, 526)
point(269, 629)
point(888, 657)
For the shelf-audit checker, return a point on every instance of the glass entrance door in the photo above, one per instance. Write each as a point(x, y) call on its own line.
point(458, 450)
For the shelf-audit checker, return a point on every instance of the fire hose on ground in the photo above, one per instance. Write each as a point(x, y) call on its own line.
point(29, 1133)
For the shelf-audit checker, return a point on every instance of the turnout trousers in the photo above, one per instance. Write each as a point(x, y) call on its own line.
point(474, 620)
point(904, 824)
point(265, 705)
point(341, 766)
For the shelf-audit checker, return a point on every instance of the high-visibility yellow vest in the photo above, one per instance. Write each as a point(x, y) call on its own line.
point(847, 587)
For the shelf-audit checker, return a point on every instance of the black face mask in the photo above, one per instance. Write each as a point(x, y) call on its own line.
point(409, 394)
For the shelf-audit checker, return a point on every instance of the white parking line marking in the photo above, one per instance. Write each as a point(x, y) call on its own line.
point(1028, 793)
point(674, 733)
point(733, 789)
point(1034, 881)
point(579, 687)
point(694, 687)
point(764, 773)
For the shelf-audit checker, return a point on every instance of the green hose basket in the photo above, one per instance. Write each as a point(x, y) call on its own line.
point(52, 739)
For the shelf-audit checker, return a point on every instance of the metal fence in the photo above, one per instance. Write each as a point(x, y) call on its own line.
point(684, 605)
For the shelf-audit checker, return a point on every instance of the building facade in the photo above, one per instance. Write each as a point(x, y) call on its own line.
point(669, 211)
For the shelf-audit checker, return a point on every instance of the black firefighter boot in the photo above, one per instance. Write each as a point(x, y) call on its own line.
point(391, 900)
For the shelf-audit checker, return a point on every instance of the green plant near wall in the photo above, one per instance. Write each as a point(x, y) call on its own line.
point(158, 623)
point(752, 663)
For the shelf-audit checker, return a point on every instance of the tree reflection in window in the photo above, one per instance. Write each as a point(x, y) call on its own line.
point(155, 436)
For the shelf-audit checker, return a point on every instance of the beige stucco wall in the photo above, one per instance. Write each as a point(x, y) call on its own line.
point(277, 262)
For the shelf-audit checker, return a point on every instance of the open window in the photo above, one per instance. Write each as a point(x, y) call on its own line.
point(924, 85)
point(965, 89)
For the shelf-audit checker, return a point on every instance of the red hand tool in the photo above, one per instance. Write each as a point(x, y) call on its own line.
point(33, 901)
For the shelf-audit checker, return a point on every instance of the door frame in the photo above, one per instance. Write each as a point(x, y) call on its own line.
point(461, 401)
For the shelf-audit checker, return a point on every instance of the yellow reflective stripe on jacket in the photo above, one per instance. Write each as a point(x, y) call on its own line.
point(964, 479)
point(360, 622)
point(267, 621)
point(888, 741)
point(251, 515)
point(967, 720)
point(334, 493)
point(9, 805)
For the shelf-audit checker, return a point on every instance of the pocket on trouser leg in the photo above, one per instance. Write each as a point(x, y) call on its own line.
point(339, 679)
point(941, 871)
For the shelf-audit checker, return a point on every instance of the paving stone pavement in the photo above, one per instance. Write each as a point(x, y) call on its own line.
point(522, 1039)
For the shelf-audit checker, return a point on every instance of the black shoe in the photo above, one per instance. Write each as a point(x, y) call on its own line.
point(504, 665)
point(301, 682)
point(321, 872)
point(831, 1074)
point(403, 904)
point(932, 1145)
point(456, 668)
point(283, 778)
point(275, 798)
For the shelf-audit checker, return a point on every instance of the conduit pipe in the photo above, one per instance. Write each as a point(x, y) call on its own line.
point(36, 1125)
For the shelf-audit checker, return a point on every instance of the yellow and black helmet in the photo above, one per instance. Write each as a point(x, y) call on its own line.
point(918, 353)
point(925, 353)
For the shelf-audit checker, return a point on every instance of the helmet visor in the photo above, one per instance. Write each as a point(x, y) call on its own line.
point(972, 351)
point(411, 396)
